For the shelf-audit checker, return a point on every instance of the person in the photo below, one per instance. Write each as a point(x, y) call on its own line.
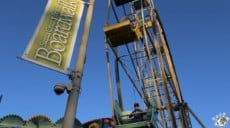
point(137, 114)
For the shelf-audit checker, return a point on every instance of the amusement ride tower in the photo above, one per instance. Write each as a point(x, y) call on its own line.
point(136, 44)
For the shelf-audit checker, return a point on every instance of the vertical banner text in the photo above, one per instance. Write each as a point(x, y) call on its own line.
point(53, 41)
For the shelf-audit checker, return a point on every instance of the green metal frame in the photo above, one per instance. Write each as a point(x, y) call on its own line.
point(151, 113)
point(141, 124)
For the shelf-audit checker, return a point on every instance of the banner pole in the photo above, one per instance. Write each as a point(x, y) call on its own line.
point(73, 96)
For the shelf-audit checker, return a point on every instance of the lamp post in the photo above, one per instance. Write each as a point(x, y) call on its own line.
point(73, 96)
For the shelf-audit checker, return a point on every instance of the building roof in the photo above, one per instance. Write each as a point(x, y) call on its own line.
point(36, 121)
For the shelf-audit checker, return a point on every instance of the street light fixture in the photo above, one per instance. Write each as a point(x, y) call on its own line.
point(61, 88)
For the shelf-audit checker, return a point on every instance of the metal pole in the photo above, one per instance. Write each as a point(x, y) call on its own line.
point(118, 83)
point(1, 96)
point(73, 97)
point(110, 77)
point(196, 118)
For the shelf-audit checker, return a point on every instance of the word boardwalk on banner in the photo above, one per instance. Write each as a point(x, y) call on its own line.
point(53, 42)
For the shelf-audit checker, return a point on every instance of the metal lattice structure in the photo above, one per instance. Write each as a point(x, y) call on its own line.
point(138, 42)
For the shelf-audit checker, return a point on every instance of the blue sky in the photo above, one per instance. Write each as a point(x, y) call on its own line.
point(198, 32)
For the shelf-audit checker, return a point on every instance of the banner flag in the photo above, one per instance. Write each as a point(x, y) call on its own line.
point(53, 41)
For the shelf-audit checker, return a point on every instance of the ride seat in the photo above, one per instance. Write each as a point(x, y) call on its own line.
point(121, 33)
point(124, 117)
point(121, 2)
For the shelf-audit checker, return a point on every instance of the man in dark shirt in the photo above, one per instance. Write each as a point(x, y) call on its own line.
point(137, 114)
